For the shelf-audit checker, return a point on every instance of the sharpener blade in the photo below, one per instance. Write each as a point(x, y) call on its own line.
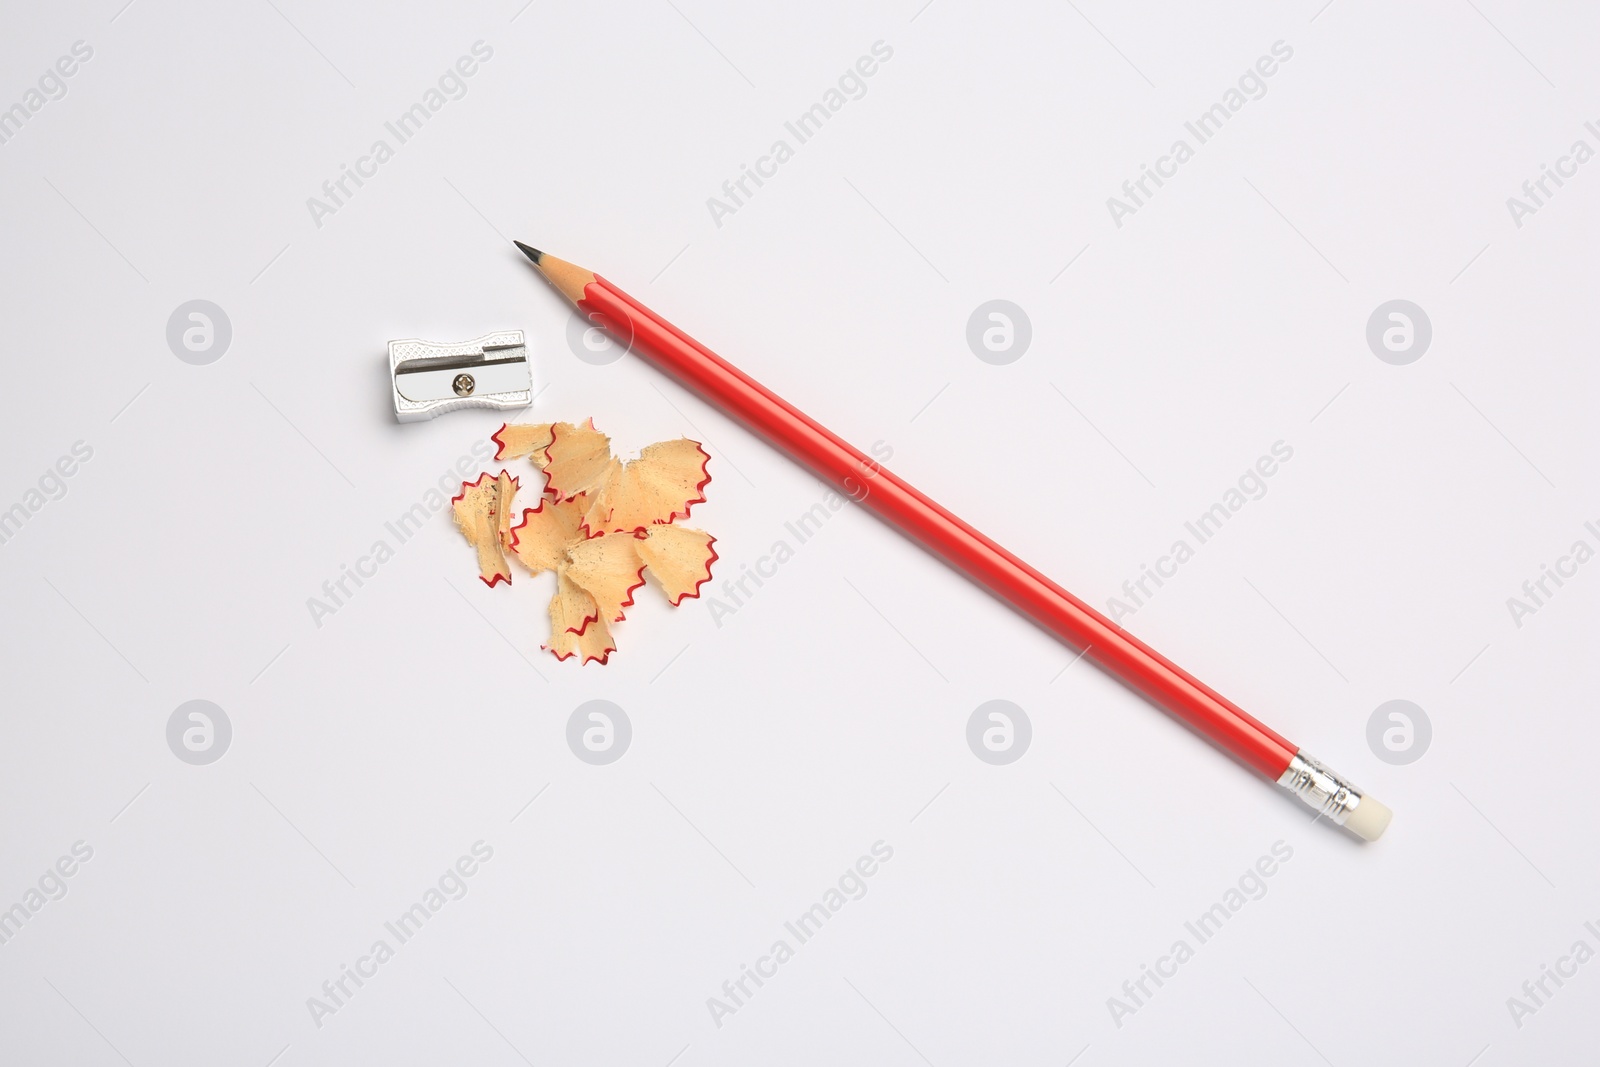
point(431, 378)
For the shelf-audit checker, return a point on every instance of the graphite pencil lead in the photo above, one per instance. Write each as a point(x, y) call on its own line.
point(529, 251)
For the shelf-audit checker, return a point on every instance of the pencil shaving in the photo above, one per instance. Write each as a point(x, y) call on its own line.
point(658, 487)
point(575, 459)
point(609, 568)
point(572, 609)
point(539, 542)
point(576, 627)
point(679, 557)
point(594, 643)
point(523, 439)
point(600, 525)
point(483, 513)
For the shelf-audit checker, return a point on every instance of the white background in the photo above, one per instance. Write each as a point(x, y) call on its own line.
point(829, 711)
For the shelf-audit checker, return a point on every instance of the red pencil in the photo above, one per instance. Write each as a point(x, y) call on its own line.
point(1138, 665)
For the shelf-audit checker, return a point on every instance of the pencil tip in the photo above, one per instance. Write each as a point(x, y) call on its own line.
point(529, 251)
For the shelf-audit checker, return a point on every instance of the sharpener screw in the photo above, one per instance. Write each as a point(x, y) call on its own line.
point(464, 385)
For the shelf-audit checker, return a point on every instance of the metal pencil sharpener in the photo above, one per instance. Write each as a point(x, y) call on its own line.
point(431, 378)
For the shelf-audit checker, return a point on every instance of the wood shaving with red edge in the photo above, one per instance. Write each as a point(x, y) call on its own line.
point(678, 557)
point(483, 513)
point(524, 439)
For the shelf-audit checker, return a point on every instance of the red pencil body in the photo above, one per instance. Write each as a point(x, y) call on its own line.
point(937, 530)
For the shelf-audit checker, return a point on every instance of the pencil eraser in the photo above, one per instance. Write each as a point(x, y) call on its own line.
point(1369, 819)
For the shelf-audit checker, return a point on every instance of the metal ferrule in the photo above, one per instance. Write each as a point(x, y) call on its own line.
point(1322, 789)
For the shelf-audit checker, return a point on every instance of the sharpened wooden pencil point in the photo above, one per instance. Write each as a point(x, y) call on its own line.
point(569, 279)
